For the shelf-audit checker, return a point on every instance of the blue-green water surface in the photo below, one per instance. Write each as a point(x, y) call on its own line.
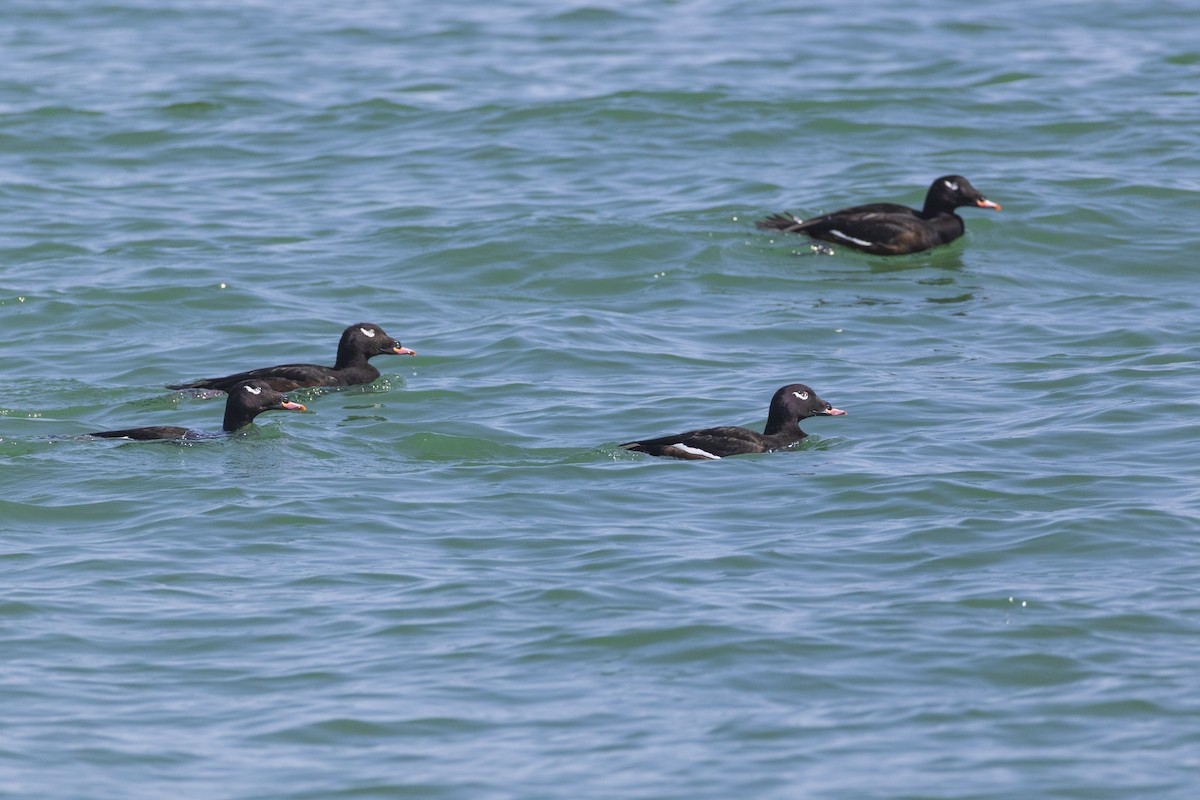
point(980, 583)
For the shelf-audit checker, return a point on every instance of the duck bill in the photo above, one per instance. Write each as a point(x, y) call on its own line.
point(835, 412)
point(983, 202)
point(288, 405)
point(403, 351)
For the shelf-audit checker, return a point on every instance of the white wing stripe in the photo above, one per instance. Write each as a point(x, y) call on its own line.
point(696, 451)
point(841, 235)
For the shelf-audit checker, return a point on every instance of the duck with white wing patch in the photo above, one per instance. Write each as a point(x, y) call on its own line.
point(245, 402)
point(789, 405)
point(360, 342)
point(889, 229)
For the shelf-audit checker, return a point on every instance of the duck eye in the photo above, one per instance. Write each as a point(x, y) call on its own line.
point(368, 332)
point(801, 395)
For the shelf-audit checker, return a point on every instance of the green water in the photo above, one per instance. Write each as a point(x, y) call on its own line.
point(452, 584)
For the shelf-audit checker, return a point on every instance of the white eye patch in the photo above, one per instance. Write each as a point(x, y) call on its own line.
point(951, 185)
point(252, 389)
point(801, 395)
point(368, 332)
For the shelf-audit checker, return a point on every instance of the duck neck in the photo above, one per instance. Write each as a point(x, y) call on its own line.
point(935, 206)
point(783, 425)
point(236, 418)
point(349, 357)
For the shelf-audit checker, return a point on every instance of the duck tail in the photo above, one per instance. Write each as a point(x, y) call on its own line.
point(780, 222)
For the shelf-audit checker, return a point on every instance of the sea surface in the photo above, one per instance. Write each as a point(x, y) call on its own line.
point(982, 582)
